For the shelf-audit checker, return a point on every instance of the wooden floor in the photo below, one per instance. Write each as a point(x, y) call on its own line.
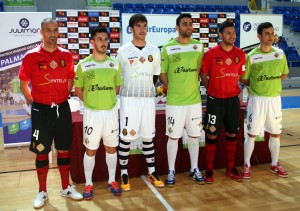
point(264, 191)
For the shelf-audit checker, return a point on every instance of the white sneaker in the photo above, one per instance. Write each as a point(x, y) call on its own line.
point(40, 200)
point(72, 193)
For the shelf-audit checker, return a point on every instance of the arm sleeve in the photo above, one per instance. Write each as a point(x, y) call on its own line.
point(248, 68)
point(285, 69)
point(118, 78)
point(164, 60)
point(200, 57)
point(205, 63)
point(156, 65)
point(25, 69)
point(242, 67)
point(71, 67)
point(79, 77)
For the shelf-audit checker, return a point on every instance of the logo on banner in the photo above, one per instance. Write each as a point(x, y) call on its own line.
point(24, 23)
point(247, 26)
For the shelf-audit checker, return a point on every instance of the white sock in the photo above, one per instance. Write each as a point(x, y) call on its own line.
point(248, 149)
point(88, 164)
point(172, 148)
point(111, 162)
point(27, 108)
point(274, 146)
point(193, 146)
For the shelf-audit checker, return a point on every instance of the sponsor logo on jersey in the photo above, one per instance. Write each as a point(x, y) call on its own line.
point(62, 63)
point(42, 67)
point(142, 59)
point(53, 64)
point(96, 87)
point(150, 58)
point(219, 62)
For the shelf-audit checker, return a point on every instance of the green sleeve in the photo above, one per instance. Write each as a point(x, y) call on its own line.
point(248, 68)
point(164, 61)
point(79, 77)
point(285, 65)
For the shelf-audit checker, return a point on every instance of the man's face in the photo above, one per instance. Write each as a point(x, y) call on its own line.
point(267, 37)
point(139, 30)
point(228, 36)
point(49, 33)
point(100, 42)
point(185, 28)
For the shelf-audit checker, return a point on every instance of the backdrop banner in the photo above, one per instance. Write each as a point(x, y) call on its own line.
point(20, 32)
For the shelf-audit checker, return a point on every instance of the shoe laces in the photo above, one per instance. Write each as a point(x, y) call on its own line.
point(171, 175)
point(197, 173)
point(115, 185)
point(88, 188)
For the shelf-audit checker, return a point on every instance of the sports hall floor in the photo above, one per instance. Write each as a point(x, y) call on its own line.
point(264, 191)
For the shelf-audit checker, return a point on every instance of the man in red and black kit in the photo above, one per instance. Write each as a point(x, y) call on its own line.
point(222, 66)
point(50, 69)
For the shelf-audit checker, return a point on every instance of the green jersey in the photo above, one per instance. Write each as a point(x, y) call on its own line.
point(14, 84)
point(181, 63)
point(264, 71)
point(99, 81)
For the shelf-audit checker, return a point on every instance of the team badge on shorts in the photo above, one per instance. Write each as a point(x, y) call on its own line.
point(124, 132)
point(170, 130)
point(40, 147)
point(150, 58)
point(132, 132)
point(53, 64)
point(142, 59)
point(86, 141)
point(62, 63)
point(212, 128)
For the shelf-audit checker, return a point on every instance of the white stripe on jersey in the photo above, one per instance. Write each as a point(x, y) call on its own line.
point(183, 49)
point(94, 65)
point(277, 55)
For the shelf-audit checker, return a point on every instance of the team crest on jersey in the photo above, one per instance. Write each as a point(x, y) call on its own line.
point(62, 63)
point(111, 64)
point(90, 74)
point(132, 132)
point(219, 62)
point(276, 55)
point(53, 64)
point(237, 60)
point(228, 61)
point(195, 47)
point(124, 132)
point(40, 147)
point(142, 60)
point(150, 58)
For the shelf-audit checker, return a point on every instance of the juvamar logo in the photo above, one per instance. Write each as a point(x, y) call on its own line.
point(24, 24)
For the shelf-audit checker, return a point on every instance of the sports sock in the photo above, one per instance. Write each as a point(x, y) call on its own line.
point(210, 149)
point(172, 148)
point(149, 153)
point(111, 162)
point(124, 148)
point(42, 167)
point(88, 164)
point(274, 146)
point(230, 151)
point(248, 149)
point(63, 162)
point(193, 147)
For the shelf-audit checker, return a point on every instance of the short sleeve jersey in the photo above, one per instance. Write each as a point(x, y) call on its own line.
point(49, 73)
point(181, 63)
point(99, 81)
point(264, 71)
point(223, 69)
point(138, 68)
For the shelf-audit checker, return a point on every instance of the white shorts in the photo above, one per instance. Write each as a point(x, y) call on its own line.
point(264, 112)
point(137, 117)
point(99, 124)
point(180, 117)
point(18, 97)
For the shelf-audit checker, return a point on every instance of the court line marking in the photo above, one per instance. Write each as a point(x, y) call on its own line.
point(157, 194)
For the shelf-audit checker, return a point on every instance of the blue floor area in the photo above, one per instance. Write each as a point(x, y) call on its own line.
point(290, 102)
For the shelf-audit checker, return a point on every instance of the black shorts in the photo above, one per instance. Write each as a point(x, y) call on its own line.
point(219, 111)
point(48, 126)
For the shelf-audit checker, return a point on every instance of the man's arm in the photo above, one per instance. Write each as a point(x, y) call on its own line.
point(204, 79)
point(245, 81)
point(70, 84)
point(24, 86)
point(284, 76)
point(79, 92)
point(117, 89)
point(164, 78)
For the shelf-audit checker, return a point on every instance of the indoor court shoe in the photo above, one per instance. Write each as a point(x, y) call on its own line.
point(234, 174)
point(197, 176)
point(246, 172)
point(170, 180)
point(209, 176)
point(125, 185)
point(115, 189)
point(88, 192)
point(71, 193)
point(155, 180)
point(279, 170)
point(39, 202)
